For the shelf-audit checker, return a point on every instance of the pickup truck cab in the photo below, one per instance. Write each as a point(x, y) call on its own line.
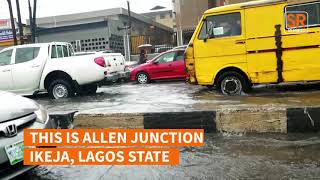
point(49, 67)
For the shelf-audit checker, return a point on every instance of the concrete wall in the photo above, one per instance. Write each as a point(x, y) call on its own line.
point(189, 12)
point(163, 17)
point(236, 1)
point(68, 36)
point(167, 20)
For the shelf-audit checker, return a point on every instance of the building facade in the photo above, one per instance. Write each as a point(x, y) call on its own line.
point(188, 14)
point(164, 17)
point(100, 30)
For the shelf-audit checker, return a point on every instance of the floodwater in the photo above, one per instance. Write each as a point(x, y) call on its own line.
point(224, 156)
point(180, 97)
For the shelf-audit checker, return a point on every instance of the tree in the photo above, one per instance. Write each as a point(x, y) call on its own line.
point(14, 33)
point(33, 18)
point(30, 19)
point(19, 21)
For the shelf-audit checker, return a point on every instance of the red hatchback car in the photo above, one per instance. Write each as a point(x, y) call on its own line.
point(168, 65)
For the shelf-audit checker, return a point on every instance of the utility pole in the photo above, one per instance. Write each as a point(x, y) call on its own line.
point(127, 28)
point(20, 24)
point(129, 14)
point(14, 33)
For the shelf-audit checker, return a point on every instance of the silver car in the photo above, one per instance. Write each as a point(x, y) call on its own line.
point(16, 114)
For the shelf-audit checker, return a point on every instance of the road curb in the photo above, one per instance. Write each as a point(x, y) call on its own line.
point(302, 120)
point(257, 120)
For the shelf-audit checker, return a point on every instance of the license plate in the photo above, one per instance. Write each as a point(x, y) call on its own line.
point(15, 152)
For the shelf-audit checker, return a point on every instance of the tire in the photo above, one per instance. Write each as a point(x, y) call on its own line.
point(60, 89)
point(142, 78)
point(232, 83)
point(89, 89)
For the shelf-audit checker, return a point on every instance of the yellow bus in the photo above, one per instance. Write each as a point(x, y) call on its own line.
point(259, 42)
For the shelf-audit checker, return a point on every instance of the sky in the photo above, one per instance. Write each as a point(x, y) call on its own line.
point(58, 7)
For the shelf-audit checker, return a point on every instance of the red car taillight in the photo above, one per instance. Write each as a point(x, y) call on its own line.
point(100, 61)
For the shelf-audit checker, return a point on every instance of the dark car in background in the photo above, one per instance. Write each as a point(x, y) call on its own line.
point(168, 65)
point(16, 114)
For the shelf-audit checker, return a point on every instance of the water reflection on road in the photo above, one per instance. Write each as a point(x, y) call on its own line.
point(224, 156)
point(179, 96)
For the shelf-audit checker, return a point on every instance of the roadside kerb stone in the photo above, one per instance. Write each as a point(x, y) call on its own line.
point(233, 120)
point(252, 120)
point(124, 121)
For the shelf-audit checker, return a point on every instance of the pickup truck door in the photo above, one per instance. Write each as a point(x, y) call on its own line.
point(27, 69)
point(5, 70)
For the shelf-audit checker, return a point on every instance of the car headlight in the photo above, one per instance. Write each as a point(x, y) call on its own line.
point(42, 115)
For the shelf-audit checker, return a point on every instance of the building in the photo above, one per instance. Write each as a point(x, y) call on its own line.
point(161, 15)
point(6, 34)
point(101, 30)
point(235, 1)
point(188, 14)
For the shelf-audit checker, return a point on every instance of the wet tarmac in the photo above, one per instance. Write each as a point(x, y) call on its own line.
point(224, 156)
point(180, 97)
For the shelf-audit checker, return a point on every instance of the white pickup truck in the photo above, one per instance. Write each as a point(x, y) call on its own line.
point(115, 66)
point(49, 67)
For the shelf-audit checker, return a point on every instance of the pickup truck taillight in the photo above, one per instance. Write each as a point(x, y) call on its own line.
point(100, 61)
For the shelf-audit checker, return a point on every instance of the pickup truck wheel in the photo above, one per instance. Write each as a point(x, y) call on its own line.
point(90, 89)
point(232, 83)
point(142, 78)
point(60, 89)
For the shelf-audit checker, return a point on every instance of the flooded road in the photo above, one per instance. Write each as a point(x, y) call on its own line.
point(224, 156)
point(180, 97)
